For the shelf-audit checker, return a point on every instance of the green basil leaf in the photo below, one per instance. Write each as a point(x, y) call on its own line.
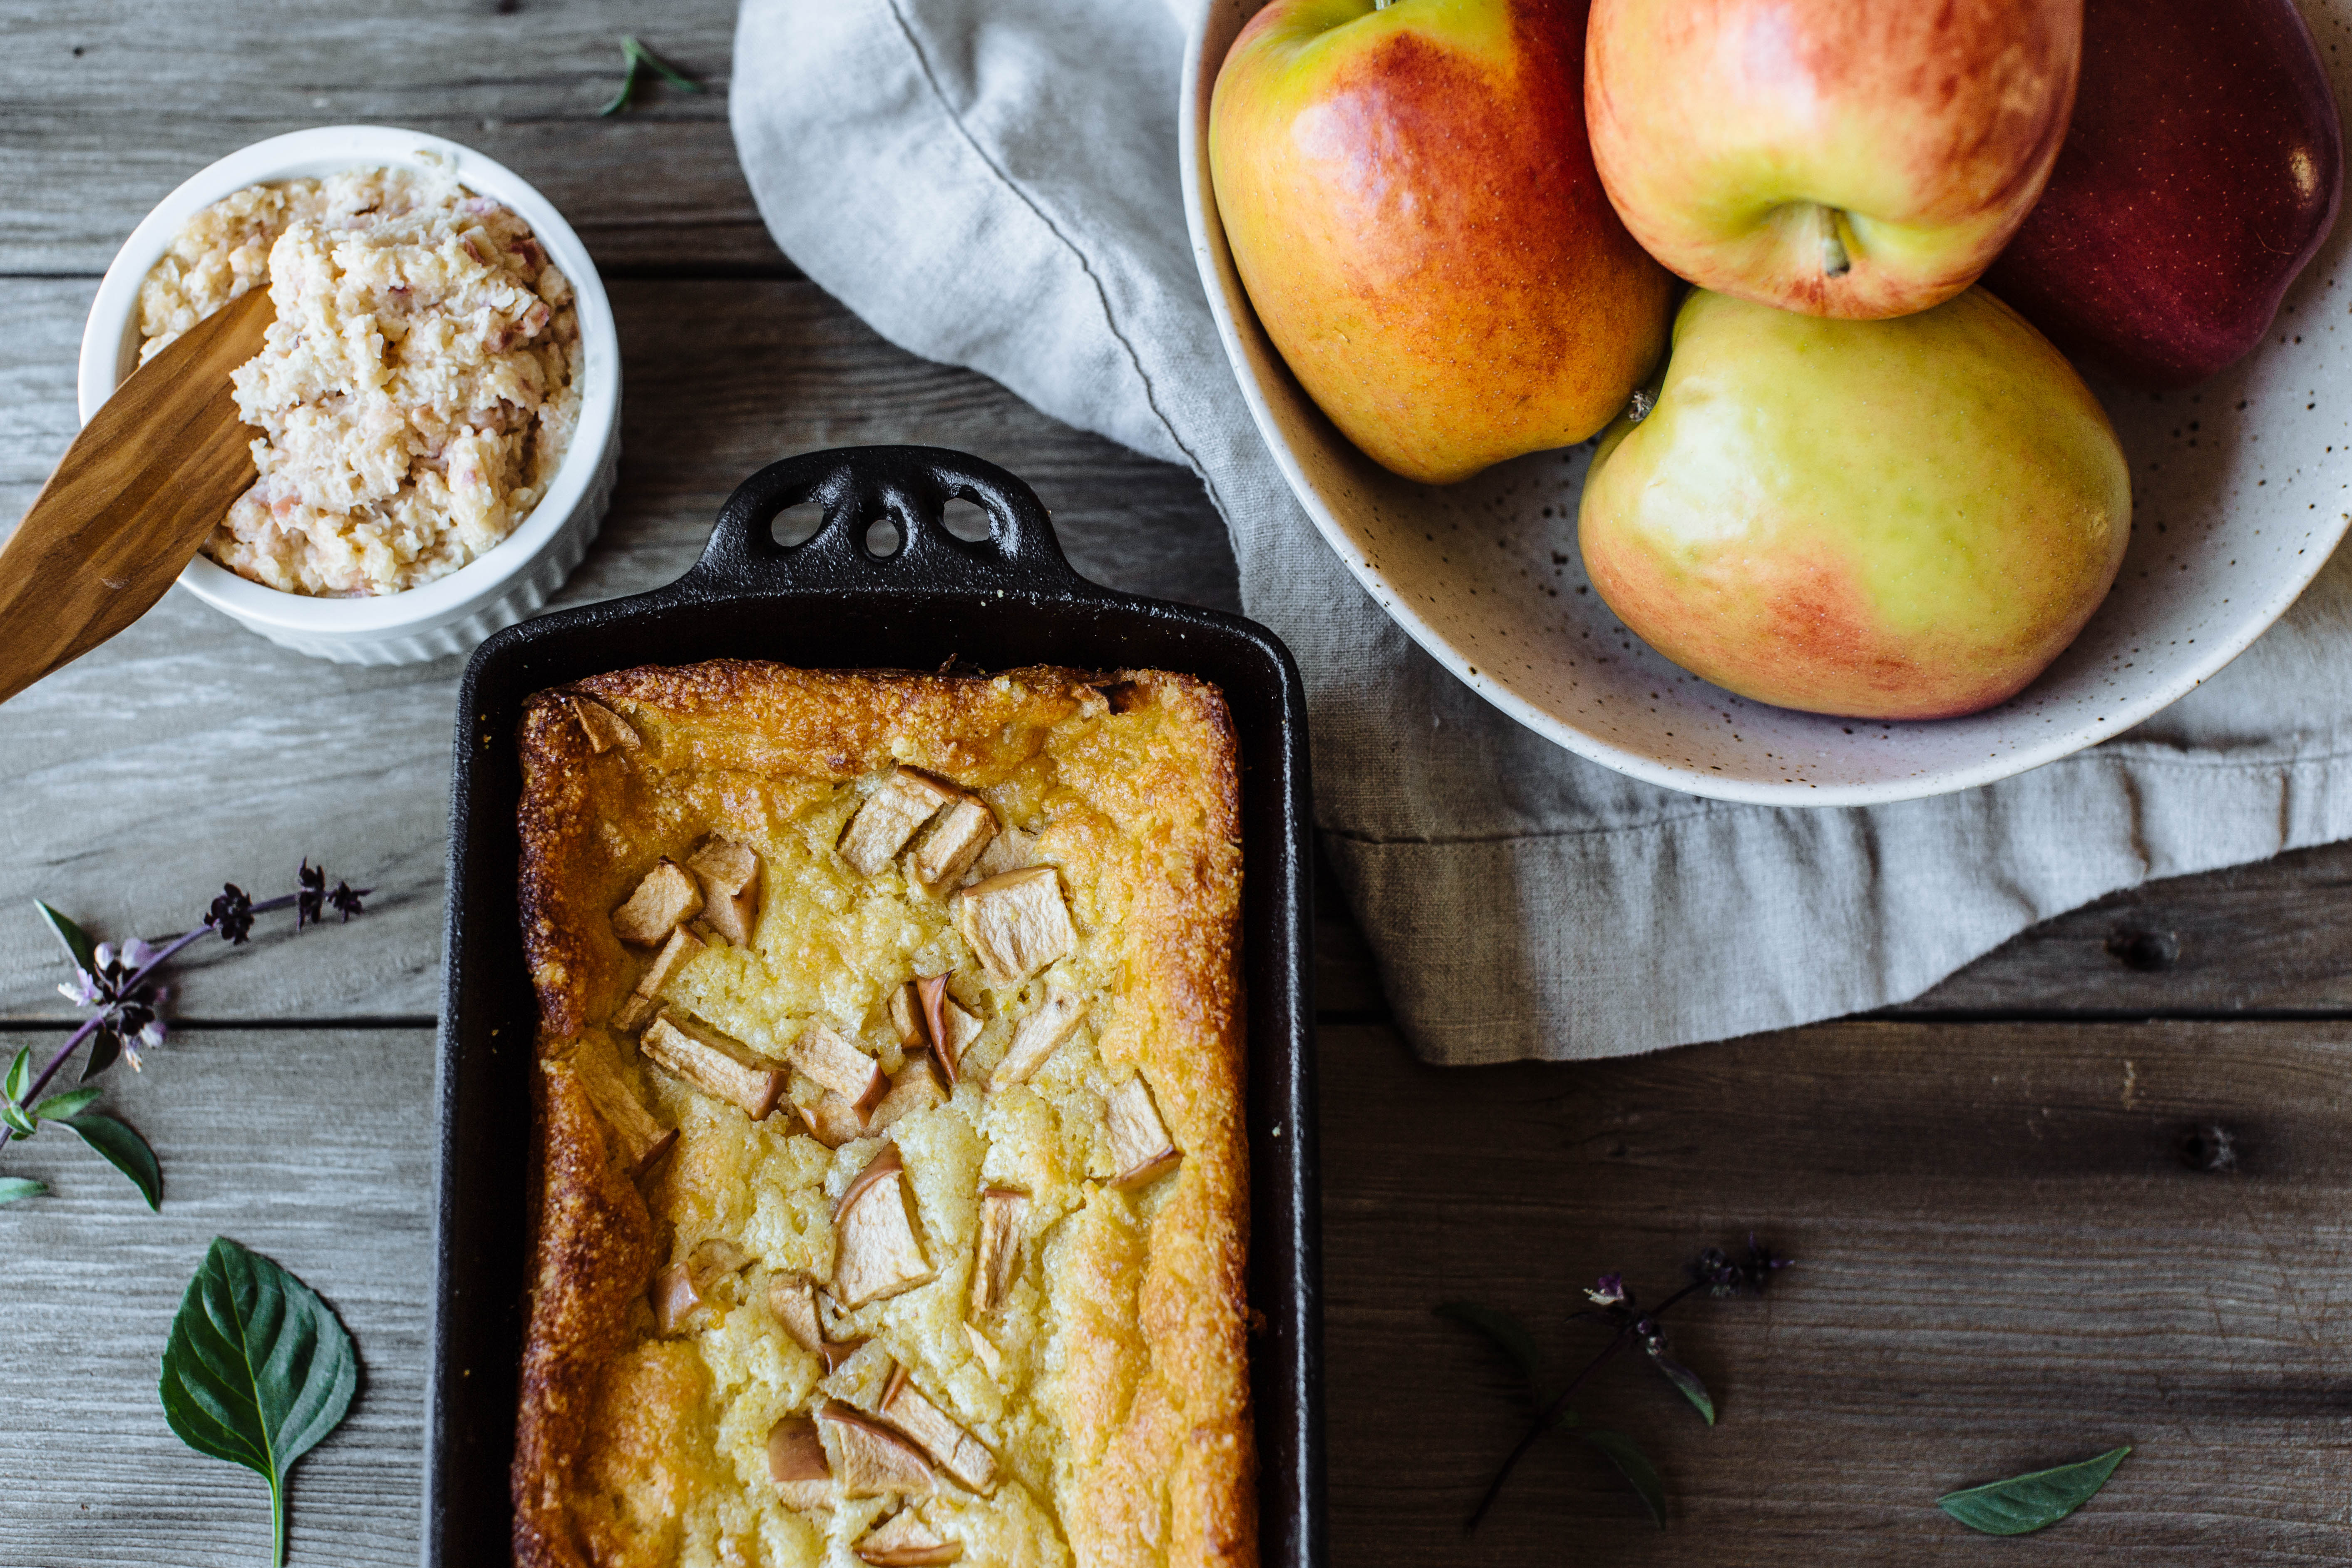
point(79, 946)
point(105, 1049)
point(13, 1117)
point(65, 1107)
point(124, 1150)
point(15, 1187)
point(2025, 1503)
point(1635, 1465)
point(256, 1370)
point(1687, 1383)
point(1507, 1333)
point(20, 1077)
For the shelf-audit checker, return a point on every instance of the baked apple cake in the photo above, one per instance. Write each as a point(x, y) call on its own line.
point(891, 1196)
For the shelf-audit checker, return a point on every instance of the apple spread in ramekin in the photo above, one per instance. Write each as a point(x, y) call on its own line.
point(418, 389)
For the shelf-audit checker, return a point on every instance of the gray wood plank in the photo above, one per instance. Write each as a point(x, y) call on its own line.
point(188, 752)
point(313, 1147)
point(2010, 1257)
point(108, 106)
point(2273, 936)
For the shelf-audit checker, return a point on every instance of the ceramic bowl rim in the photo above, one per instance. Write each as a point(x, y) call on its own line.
point(109, 349)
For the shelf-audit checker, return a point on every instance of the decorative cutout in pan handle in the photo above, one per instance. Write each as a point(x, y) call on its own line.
point(908, 487)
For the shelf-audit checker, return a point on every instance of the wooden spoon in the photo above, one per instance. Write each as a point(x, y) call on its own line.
point(146, 480)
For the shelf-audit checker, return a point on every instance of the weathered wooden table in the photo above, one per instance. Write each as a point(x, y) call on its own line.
point(2089, 1192)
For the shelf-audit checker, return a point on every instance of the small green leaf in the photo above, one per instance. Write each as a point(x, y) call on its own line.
point(124, 1150)
point(1507, 1333)
point(20, 1077)
point(13, 1118)
point(79, 946)
point(66, 1106)
point(639, 55)
point(1686, 1380)
point(2025, 1503)
point(105, 1049)
point(620, 100)
point(256, 1370)
point(15, 1187)
point(1635, 1465)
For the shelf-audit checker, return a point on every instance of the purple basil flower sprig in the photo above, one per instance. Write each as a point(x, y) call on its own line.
point(125, 997)
point(1714, 1272)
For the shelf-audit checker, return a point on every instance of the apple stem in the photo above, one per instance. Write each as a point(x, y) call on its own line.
point(1835, 262)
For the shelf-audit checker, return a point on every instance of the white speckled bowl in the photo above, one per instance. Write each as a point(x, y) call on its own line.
point(2241, 489)
point(510, 580)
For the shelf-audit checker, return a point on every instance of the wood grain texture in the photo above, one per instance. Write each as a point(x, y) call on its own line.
point(108, 106)
point(313, 1147)
point(2011, 1255)
point(197, 752)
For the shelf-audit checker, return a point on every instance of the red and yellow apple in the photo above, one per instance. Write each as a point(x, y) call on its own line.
point(1851, 158)
point(1415, 212)
point(1904, 518)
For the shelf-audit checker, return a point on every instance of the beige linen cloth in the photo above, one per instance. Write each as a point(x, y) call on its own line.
point(993, 184)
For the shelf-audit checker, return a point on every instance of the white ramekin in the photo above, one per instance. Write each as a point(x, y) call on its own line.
point(514, 577)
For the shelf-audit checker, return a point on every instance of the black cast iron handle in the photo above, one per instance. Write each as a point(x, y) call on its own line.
point(907, 486)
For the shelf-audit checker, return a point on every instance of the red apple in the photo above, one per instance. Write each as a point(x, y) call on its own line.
point(1853, 158)
point(2204, 166)
point(1413, 209)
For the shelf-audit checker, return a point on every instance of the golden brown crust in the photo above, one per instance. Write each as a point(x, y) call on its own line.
point(1153, 1400)
point(592, 1246)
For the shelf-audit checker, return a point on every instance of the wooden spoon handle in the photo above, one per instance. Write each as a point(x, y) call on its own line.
point(136, 493)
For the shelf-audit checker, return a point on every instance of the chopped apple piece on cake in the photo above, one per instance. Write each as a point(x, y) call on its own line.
point(792, 1299)
point(904, 1540)
point(878, 1255)
point(725, 1069)
point(1140, 1148)
point(1037, 1037)
point(664, 900)
point(889, 817)
point(604, 728)
point(832, 1121)
point(913, 1087)
point(797, 1463)
point(682, 1289)
point(1017, 922)
point(874, 1460)
point(683, 944)
point(730, 875)
point(954, 842)
point(836, 1062)
point(1002, 1212)
point(641, 1140)
point(1008, 851)
point(951, 1448)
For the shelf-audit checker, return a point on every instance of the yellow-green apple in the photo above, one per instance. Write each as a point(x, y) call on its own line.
point(1855, 158)
point(1904, 518)
point(1413, 209)
point(2204, 166)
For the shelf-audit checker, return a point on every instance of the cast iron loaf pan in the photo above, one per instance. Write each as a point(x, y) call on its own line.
point(833, 602)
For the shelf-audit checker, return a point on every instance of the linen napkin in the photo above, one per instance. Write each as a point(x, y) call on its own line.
point(993, 184)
